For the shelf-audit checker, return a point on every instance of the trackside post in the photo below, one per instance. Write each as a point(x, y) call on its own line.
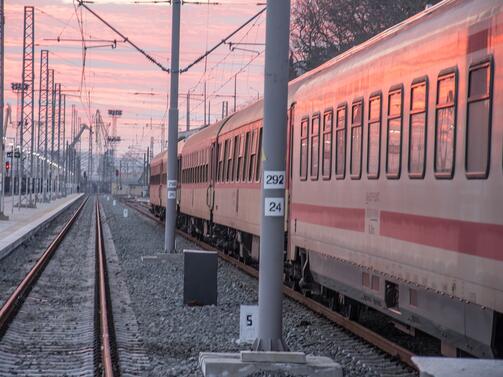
point(169, 231)
point(273, 178)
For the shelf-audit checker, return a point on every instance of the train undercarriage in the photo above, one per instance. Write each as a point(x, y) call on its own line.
point(346, 296)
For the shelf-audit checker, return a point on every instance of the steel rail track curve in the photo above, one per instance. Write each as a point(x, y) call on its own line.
point(355, 328)
point(15, 299)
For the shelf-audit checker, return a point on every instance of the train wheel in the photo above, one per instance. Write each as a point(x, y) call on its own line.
point(349, 308)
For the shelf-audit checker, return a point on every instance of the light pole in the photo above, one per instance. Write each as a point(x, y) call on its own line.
point(169, 232)
point(273, 182)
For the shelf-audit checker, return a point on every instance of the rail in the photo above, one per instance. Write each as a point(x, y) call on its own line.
point(355, 328)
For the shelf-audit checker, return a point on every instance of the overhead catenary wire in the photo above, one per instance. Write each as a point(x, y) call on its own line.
point(149, 57)
point(222, 42)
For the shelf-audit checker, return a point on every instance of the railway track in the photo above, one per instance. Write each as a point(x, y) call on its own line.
point(57, 320)
point(384, 344)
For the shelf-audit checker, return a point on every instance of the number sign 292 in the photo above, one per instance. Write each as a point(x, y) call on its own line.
point(274, 179)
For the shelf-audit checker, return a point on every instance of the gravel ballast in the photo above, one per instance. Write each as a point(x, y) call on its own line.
point(15, 266)
point(174, 334)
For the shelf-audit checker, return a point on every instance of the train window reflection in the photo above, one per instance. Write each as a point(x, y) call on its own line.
point(417, 129)
point(445, 126)
point(356, 140)
point(394, 134)
point(478, 126)
point(304, 148)
point(327, 144)
point(315, 146)
point(340, 143)
point(374, 137)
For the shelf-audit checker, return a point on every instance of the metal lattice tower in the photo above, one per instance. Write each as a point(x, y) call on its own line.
point(61, 143)
point(43, 105)
point(26, 130)
point(48, 135)
point(90, 160)
point(58, 153)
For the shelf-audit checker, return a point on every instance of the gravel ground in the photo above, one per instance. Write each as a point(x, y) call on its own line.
point(15, 266)
point(53, 331)
point(174, 334)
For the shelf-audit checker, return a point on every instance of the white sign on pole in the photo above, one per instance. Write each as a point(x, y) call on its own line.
point(248, 323)
point(108, 198)
point(171, 194)
point(113, 203)
point(124, 212)
point(274, 179)
point(274, 207)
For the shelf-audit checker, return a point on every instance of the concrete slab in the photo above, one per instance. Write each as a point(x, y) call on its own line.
point(23, 223)
point(448, 367)
point(273, 357)
point(230, 364)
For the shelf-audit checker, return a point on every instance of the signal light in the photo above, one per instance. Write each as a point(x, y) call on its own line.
point(116, 172)
point(7, 165)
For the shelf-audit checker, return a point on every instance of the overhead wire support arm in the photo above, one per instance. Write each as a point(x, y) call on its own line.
point(223, 41)
point(125, 38)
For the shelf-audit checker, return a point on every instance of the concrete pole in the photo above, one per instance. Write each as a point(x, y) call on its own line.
point(2, 164)
point(169, 233)
point(272, 226)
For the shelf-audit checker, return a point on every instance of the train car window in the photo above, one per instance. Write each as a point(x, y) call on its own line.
point(417, 127)
point(230, 166)
point(245, 158)
point(226, 159)
point(356, 139)
point(240, 158)
point(340, 142)
point(304, 133)
point(394, 133)
point(445, 124)
point(315, 146)
point(326, 162)
point(478, 115)
point(259, 155)
point(253, 155)
point(237, 151)
point(220, 154)
point(374, 136)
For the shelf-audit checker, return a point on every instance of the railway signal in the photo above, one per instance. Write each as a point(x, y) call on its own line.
point(7, 166)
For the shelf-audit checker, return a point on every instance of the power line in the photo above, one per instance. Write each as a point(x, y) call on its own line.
point(222, 42)
point(125, 39)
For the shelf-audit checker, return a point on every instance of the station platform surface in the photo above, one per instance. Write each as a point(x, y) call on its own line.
point(24, 222)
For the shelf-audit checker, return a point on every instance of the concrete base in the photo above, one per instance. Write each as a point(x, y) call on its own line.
point(448, 367)
point(232, 364)
point(157, 258)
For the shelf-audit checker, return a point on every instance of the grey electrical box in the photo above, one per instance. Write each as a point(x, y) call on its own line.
point(200, 277)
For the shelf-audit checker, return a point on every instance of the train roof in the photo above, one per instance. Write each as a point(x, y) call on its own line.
point(255, 111)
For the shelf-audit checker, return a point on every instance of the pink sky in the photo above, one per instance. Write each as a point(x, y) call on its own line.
point(114, 75)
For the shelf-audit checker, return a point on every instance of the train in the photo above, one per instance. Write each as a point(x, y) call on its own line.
point(394, 181)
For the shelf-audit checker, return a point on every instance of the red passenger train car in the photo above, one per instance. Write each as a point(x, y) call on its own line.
point(394, 177)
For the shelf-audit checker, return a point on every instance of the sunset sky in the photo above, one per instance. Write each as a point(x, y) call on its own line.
point(121, 78)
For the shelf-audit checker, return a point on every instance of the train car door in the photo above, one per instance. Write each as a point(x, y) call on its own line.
point(210, 191)
point(289, 167)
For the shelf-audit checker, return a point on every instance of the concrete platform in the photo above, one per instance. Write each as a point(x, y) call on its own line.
point(234, 364)
point(448, 367)
point(24, 222)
